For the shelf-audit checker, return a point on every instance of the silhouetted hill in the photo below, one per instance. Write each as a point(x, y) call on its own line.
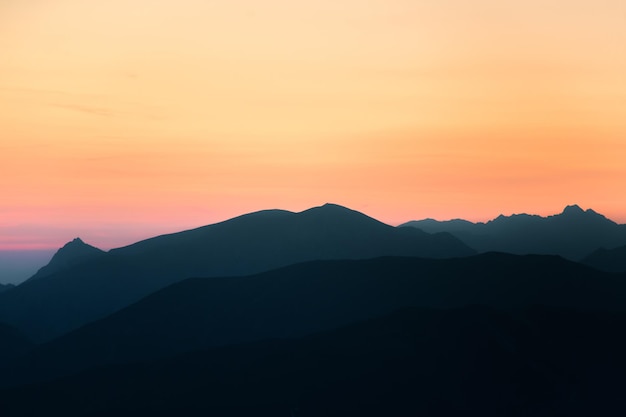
point(572, 234)
point(6, 287)
point(85, 291)
point(71, 254)
point(472, 361)
point(301, 299)
point(611, 260)
point(12, 343)
point(274, 238)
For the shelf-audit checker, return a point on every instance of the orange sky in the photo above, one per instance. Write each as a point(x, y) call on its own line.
point(123, 119)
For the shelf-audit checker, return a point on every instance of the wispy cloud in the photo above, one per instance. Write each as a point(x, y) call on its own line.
point(101, 105)
point(96, 111)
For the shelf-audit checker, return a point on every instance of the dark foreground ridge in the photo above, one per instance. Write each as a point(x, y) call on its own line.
point(316, 296)
point(473, 361)
point(12, 343)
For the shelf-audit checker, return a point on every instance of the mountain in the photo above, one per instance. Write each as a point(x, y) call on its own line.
point(12, 343)
point(305, 298)
point(611, 260)
point(87, 290)
point(273, 238)
point(73, 253)
point(6, 287)
point(573, 234)
point(475, 361)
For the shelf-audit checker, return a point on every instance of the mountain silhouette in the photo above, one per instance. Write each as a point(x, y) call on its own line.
point(573, 234)
point(6, 287)
point(90, 289)
point(611, 260)
point(316, 296)
point(12, 343)
point(73, 253)
point(536, 361)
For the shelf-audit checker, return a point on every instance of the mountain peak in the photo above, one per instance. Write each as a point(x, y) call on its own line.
point(573, 209)
point(72, 253)
point(332, 206)
point(75, 248)
point(74, 242)
point(339, 213)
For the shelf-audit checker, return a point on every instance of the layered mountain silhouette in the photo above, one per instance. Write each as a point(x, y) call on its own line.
point(316, 296)
point(612, 260)
point(326, 312)
point(477, 361)
point(72, 254)
point(573, 234)
point(84, 284)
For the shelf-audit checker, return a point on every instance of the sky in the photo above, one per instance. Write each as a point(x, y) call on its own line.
point(124, 119)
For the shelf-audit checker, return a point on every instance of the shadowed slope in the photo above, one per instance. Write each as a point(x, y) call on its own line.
point(472, 361)
point(305, 298)
point(12, 343)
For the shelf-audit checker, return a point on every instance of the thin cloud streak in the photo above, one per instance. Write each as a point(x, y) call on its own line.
point(96, 111)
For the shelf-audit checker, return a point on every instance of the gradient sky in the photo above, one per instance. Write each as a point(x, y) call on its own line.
point(123, 119)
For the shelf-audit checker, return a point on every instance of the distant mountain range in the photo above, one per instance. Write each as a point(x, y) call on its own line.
point(316, 296)
point(82, 283)
point(573, 234)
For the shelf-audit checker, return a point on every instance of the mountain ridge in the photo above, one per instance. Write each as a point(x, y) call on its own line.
point(300, 299)
point(574, 233)
point(256, 242)
point(72, 253)
point(6, 287)
point(610, 260)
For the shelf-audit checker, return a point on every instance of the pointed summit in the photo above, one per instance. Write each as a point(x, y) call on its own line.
point(72, 253)
point(75, 242)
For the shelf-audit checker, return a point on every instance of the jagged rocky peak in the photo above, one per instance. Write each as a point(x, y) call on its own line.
point(575, 210)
